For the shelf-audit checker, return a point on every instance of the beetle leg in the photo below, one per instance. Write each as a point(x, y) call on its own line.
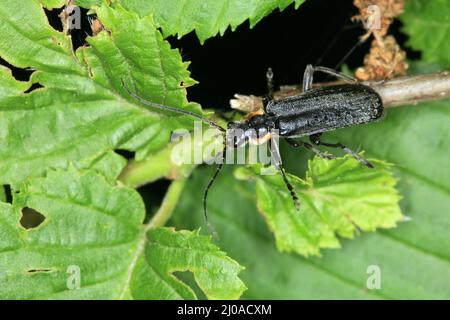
point(293, 142)
point(318, 152)
point(265, 102)
point(297, 144)
point(269, 80)
point(274, 149)
point(308, 76)
point(316, 140)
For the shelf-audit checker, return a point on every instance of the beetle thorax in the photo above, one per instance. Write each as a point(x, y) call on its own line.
point(256, 130)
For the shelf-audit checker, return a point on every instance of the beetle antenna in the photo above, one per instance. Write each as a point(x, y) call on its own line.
point(290, 188)
point(333, 42)
point(349, 53)
point(210, 183)
point(173, 109)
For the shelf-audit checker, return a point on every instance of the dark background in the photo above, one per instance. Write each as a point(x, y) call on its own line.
point(286, 41)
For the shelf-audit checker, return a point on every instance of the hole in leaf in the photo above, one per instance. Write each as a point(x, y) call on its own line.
point(188, 278)
point(125, 153)
point(33, 87)
point(77, 23)
point(21, 74)
point(153, 193)
point(53, 18)
point(31, 218)
point(7, 193)
point(39, 270)
point(96, 25)
point(80, 34)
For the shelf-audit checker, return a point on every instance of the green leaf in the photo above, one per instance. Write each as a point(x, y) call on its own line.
point(338, 197)
point(53, 3)
point(428, 25)
point(207, 18)
point(170, 251)
point(414, 258)
point(26, 32)
point(83, 112)
point(110, 165)
point(2, 194)
point(416, 139)
point(96, 228)
point(88, 3)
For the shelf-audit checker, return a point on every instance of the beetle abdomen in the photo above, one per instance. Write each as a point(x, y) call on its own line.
point(325, 109)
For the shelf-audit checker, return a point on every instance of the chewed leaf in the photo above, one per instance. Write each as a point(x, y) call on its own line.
point(92, 244)
point(83, 112)
point(169, 251)
point(337, 198)
point(207, 18)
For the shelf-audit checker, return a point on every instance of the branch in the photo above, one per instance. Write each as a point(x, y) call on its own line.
point(415, 89)
point(400, 91)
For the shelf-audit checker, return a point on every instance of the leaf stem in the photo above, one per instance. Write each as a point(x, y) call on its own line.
point(157, 166)
point(168, 205)
point(162, 165)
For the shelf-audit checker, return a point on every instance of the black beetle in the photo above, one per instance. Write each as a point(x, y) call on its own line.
point(311, 113)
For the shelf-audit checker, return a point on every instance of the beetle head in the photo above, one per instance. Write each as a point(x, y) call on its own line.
point(237, 134)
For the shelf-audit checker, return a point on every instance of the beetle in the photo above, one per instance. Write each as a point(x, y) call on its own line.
point(311, 113)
